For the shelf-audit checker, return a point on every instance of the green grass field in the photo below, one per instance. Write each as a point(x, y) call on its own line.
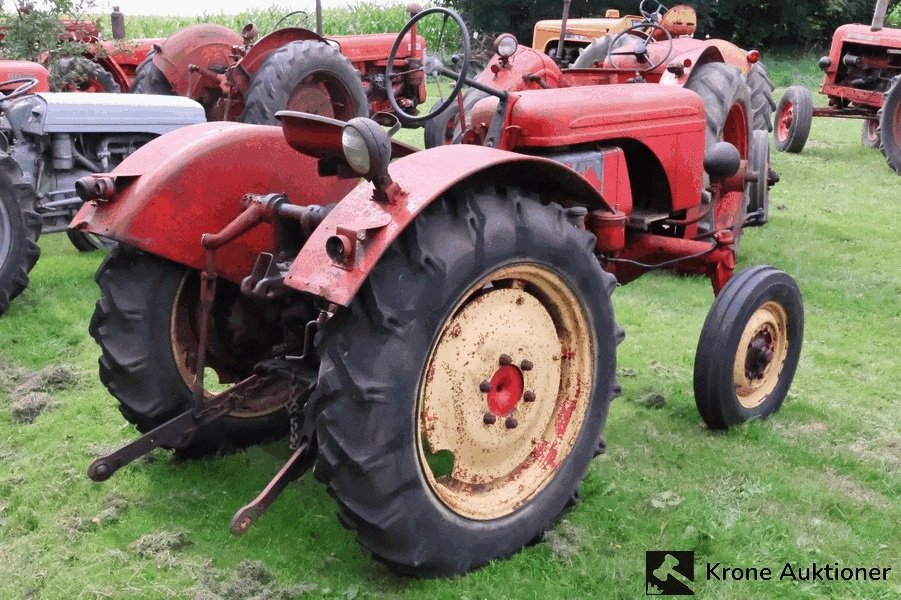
point(818, 482)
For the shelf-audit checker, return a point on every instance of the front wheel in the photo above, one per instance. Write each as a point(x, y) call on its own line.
point(794, 116)
point(20, 227)
point(464, 391)
point(749, 348)
point(869, 133)
point(147, 327)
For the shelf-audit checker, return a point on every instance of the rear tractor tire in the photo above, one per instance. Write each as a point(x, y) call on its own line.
point(80, 74)
point(308, 76)
point(146, 325)
point(464, 391)
point(749, 348)
point(762, 103)
point(20, 227)
point(794, 116)
point(889, 131)
point(149, 79)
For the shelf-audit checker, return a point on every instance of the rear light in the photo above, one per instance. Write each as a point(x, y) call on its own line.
point(753, 56)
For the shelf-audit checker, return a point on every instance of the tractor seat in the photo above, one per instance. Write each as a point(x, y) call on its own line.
point(680, 20)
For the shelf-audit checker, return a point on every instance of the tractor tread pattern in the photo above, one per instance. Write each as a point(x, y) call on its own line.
point(762, 103)
point(19, 200)
point(354, 442)
point(149, 79)
point(888, 145)
point(89, 69)
point(272, 84)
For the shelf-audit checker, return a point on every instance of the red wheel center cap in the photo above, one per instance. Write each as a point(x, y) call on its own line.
point(506, 390)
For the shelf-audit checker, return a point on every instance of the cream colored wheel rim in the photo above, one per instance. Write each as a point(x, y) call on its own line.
point(761, 355)
point(505, 391)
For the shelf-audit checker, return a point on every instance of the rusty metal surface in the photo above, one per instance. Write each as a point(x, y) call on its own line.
point(190, 182)
point(424, 176)
point(203, 44)
point(528, 339)
point(761, 354)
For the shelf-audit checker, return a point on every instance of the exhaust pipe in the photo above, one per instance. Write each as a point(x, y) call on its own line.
point(879, 15)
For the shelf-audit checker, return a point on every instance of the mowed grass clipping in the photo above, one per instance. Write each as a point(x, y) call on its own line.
point(818, 482)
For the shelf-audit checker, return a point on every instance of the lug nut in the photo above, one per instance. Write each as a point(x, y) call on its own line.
point(505, 360)
point(528, 396)
point(489, 419)
point(511, 423)
point(485, 386)
point(526, 365)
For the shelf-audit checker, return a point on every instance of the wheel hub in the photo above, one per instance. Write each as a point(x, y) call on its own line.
point(761, 354)
point(504, 392)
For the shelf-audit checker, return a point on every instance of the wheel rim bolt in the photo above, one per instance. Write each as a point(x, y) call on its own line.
point(489, 419)
point(485, 386)
point(528, 396)
point(505, 360)
point(526, 365)
point(511, 423)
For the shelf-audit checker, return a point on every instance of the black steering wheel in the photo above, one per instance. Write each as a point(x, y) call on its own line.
point(303, 19)
point(653, 17)
point(640, 51)
point(433, 65)
point(26, 84)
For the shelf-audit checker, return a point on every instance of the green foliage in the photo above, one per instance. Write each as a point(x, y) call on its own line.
point(37, 27)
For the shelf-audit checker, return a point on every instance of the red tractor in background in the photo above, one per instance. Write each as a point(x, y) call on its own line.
point(105, 66)
point(658, 48)
point(439, 339)
point(862, 81)
point(236, 77)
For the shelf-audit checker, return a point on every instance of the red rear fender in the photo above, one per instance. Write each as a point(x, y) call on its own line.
point(190, 182)
point(424, 177)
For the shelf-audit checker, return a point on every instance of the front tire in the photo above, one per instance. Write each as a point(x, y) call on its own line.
point(869, 133)
point(149, 79)
point(486, 297)
point(308, 76)
point(749, 348)
point(20, 227)
point(146, 325)
point(794, 116)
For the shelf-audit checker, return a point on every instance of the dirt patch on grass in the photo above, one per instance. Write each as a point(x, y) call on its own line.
point(29, 407)
point(161, 546)
point(564, 540)
point(74, 524)
point(29, 391)
point(853, 490)
point(251, 579)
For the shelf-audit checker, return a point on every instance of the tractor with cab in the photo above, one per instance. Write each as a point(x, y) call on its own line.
point(437, 340)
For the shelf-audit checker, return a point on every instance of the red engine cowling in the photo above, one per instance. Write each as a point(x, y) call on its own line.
point(18, 69)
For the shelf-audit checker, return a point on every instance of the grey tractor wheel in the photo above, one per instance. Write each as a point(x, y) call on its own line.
point(762, 102)
point(794, 116)
point(149, 79)
point(869, 133)
point(890, 125)
point(145, 323)
point(727, 107)
point(749, 348)
point(464, 391)
point(308, 76)
point(80, 74)
point(20, 227)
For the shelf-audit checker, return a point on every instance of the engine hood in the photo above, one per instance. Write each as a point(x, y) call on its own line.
point(108, 113)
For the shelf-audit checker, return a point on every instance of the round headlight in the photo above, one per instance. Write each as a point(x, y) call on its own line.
point(366, 146)
point(355, 150)
point(506, 45)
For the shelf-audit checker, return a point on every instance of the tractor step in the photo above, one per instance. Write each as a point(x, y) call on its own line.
point(641, 220)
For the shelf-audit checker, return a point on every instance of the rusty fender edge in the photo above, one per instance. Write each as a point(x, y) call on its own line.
point(190, 182)
point(425, 176)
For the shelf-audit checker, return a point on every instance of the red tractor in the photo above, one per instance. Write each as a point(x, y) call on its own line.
point(439, 339)
point(237, 78)
point(862, 81)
